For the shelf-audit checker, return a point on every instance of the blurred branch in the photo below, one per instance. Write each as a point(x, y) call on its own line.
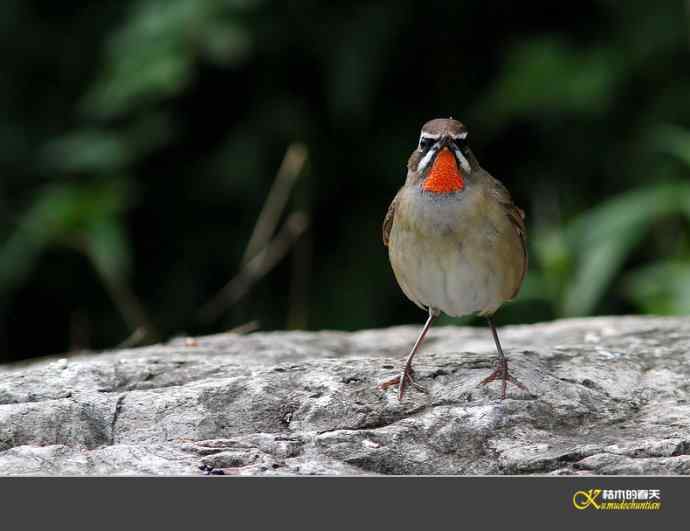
point(127, 304)
point(297, 317)
point(136, 338)
point(262, 254)
point(79, 331)
point(246, 328)
point(290, 169)
point(258, 266)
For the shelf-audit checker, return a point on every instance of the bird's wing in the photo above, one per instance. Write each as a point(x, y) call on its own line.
point(388, 220)
point(517, 218)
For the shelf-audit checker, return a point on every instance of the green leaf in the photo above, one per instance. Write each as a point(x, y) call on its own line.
point(675, 141)
point(67, 215)
point(546, 75)
point(89, 150)
point(661, 288)
point(154, 54)
point(603, 238)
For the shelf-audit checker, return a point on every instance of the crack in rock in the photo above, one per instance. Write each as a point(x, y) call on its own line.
point(116, 413)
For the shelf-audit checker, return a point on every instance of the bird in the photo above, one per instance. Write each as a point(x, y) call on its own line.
point(457, 243)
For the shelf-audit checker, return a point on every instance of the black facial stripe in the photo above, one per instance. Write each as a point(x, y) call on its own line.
point(461, 144)
point(425, 143)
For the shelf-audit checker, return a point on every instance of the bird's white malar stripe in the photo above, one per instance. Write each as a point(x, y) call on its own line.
point(426, 159)
point(430, 154)
point(463, 161)
point(461, 158)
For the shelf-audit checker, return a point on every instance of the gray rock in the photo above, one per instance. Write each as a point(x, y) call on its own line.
point(610, 396)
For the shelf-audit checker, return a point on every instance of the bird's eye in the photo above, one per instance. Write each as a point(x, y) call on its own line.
point(425, 143)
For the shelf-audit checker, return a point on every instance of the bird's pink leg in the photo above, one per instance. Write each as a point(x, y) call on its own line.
point(406, 373)
point(501, 371)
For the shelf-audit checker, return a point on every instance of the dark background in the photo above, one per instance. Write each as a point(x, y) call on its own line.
point(139, 141)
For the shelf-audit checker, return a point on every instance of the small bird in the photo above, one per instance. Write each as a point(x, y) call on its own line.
point(456, 241)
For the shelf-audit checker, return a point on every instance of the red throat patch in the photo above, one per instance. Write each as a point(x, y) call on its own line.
point(445, 176)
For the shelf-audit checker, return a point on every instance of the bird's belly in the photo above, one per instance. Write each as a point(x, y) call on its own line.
point(458, 276)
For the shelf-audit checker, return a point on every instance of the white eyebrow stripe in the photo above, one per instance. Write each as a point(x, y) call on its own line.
point(429, 136)
point(461, 135)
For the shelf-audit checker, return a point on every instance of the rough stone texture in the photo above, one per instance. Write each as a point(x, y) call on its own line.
point(611, 397)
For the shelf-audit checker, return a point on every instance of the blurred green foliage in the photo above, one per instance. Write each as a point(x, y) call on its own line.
point(140, 138)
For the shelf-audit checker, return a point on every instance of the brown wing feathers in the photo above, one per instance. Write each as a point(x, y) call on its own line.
point(517, 217)
point(388, 221)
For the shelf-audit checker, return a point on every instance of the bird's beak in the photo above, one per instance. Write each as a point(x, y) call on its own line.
point(447, 142)
point(444, 142)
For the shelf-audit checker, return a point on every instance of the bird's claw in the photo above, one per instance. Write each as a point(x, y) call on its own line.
point(396, 381)
point(501, 373)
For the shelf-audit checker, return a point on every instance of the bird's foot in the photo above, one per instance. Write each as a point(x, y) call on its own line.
point(501, 373)
point(396, 381)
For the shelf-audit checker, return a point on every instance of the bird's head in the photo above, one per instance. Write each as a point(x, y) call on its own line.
point(442, 162)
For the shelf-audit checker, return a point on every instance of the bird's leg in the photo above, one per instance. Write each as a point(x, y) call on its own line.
point(501, 371)
point(406, 373)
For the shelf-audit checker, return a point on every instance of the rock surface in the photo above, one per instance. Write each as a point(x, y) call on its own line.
point(610, 397)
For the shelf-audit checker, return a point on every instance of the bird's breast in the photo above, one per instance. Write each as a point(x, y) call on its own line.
point(453, 252)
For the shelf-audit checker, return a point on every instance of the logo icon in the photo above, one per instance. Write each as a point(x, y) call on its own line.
point(583, 499)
